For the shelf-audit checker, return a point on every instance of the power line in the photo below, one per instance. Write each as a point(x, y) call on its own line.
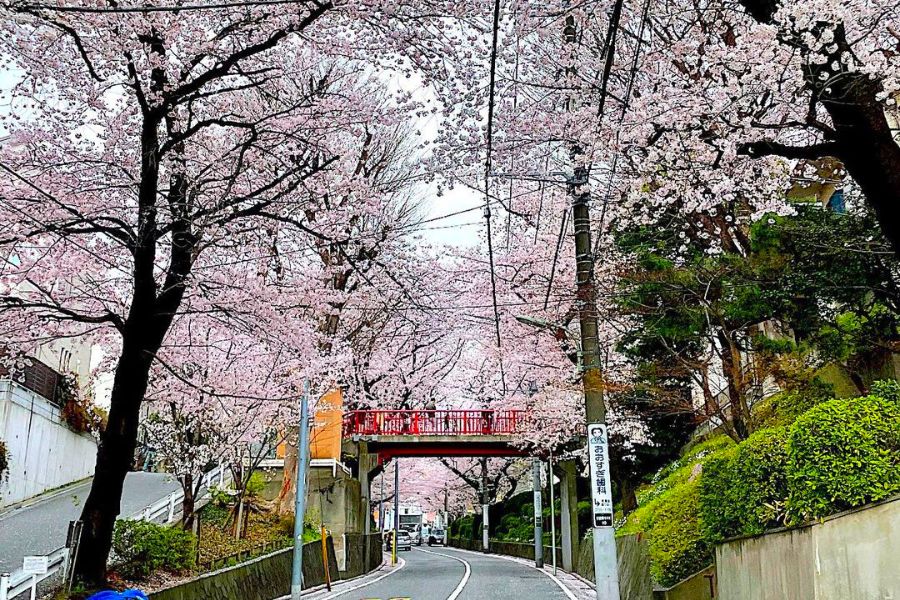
point(625, 101)
point(487, 179)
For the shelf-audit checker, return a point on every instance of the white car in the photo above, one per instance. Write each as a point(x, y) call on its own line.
point(437, 536)
point(404, 541)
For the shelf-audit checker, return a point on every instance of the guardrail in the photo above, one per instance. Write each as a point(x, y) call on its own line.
point(163, 511)
point(432, 422)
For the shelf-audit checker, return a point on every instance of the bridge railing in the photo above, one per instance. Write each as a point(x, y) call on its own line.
point(432, 422)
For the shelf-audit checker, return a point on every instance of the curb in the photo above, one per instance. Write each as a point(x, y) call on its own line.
point(314, 590)
point(11, 509)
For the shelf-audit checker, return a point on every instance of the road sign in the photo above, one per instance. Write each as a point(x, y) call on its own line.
point(35, 565)
point(601, 487)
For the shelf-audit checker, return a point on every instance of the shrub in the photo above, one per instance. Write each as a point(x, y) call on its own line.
point(888, 389)
point(675, 537)
point(743, 491)
point(842, 454)
point(147, 547)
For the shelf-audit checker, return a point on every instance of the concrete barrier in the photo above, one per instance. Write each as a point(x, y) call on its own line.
point(849, 556)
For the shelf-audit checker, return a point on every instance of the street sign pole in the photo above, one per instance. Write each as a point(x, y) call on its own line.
point(300, 500)
point(538, 514)
point(604, 539)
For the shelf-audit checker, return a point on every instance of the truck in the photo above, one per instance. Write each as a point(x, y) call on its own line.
point(411, 519)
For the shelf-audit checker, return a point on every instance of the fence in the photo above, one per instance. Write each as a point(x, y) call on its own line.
point(432, 422)
point(244, 555)
point(164, 511)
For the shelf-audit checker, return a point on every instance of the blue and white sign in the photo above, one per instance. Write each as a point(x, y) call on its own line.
point(601, 486)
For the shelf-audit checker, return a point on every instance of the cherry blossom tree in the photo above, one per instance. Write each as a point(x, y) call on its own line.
point(214, 396)
point(155, 147)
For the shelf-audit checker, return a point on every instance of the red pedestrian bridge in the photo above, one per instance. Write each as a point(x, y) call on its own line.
point(398, 433)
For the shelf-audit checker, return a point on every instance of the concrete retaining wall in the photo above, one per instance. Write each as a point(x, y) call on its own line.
point(43, 452)
point(851, 556)
point(634, 566)
point(269, 576)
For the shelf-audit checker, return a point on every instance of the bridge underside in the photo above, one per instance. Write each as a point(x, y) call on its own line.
point(399, 446)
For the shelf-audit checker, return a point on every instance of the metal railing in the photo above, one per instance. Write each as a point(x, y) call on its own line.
point(164, 511)
point(432, 422)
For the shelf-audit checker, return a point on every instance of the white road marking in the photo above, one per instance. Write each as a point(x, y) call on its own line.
point(401, 564)
point(465, 579)
point(561, 585)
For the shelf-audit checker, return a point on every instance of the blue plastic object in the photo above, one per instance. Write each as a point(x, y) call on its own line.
point(127, 594)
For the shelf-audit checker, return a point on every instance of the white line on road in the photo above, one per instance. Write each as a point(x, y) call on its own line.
point(561, 585)
point(465, 579)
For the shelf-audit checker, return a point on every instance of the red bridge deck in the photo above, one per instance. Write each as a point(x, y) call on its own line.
point(432, 422)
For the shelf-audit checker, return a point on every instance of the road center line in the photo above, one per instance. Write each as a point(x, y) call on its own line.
point(465, 579)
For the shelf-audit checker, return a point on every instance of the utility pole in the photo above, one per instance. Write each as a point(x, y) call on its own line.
point(446, 522)
point(605, 566)
point(300, 499)
point(538, 514)
point(396, 506)
point(485, 507)
point(381, 503)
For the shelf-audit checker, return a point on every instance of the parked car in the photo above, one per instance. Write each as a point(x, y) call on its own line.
point(437, 536)
point(404, 542)
point(415, 533)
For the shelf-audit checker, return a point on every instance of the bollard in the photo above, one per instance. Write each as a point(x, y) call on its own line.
point(4, 586)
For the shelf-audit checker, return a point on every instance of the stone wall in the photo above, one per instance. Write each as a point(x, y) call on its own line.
point(851, 556)
point(699, 586)
point(634, 566)
point(269, 576)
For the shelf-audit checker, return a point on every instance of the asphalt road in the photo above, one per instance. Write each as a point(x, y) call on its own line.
point(41, 527)
point(439, 573)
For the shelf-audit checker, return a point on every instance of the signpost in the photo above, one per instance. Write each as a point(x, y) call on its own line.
point(34, 566)
point(538, 514)
point(601, 488)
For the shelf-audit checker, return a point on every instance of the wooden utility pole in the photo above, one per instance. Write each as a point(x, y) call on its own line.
point(605, 564)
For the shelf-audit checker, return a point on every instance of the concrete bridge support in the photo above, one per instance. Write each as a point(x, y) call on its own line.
point(567, 472)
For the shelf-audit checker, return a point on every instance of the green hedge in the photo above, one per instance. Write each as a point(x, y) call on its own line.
point(147, 547)
point(743, 490)
point(837, 455)
point(842, 454)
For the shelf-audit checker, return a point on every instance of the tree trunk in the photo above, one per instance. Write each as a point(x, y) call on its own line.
point(284, 504)
point(733, 371)
point(629, 496)
point(187, 505)
point(863, 140)
point(115, 455)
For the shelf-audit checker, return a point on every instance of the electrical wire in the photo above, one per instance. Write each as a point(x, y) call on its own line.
point(487, 180)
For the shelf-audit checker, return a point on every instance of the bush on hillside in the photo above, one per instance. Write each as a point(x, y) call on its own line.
point(743, 491)
point(888, 389)
point(842, 454)
point(147, 547)
point(675, 538)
